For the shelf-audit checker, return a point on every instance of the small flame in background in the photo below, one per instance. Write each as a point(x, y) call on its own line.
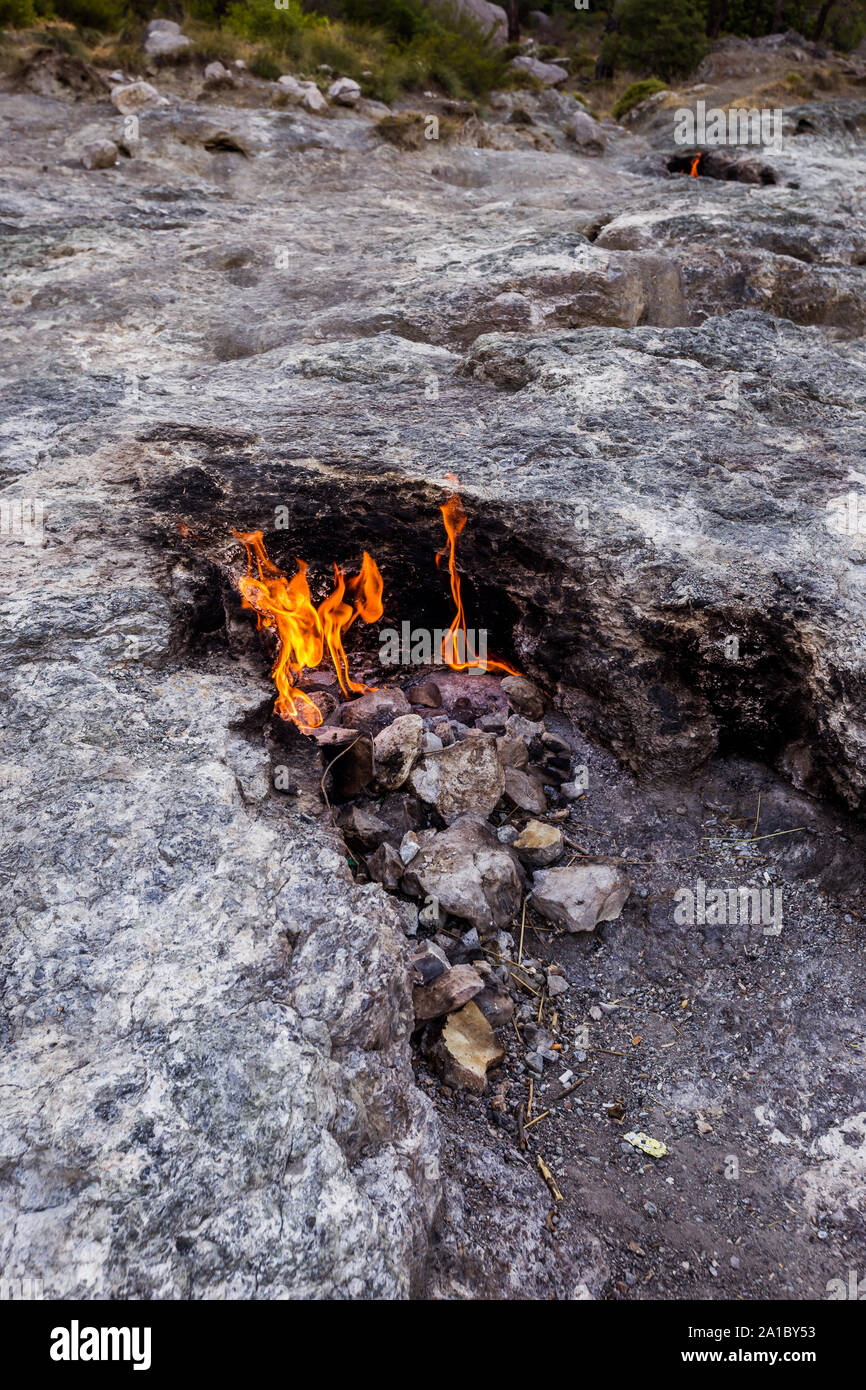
point(304, 632)
point(454, 518)
point(693, 172)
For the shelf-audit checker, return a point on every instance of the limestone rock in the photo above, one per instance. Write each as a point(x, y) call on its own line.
point(491, 19)
point(513, 752)
point(164, 39)
point(586, 133)
point(365, 828)
point(292, 90)
point(453, 988)
point(550, 74)
point(471, 874)
point(524, 697)
point(466, 1049)
point(313, 100)
point(538, 844)
point(386, 867)
point(102, 154)
point(345, 92)
point(396, 750)
point(580, 896)
point(374, 709)
point(524, 792)
point(215, 75)
point(468, 776)
point(136, 96)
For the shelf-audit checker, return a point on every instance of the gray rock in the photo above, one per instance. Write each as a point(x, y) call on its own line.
point(551, 74)
point(470, 873)
point(375, 708)
point(136, 96)
point(579, 897)
point(409, 846)
point(448, 992)
point(313, 100)
point(524, 697)
point(164, 39)
point(215, 76)
point(524, 791)
point(360, 824)
point(513, 752)
point(468, 776)
point(386, 867)
point(396, 749)
point(102, 154)
point(491, 19)
point(292, 90)
point(585, 133)
point(345, 92)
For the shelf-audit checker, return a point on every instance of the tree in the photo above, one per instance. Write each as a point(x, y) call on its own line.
point(663, 38)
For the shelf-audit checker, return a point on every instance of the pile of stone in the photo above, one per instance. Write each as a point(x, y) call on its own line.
point(452, 795)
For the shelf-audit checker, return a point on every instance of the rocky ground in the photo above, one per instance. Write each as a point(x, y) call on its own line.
point(650, 386)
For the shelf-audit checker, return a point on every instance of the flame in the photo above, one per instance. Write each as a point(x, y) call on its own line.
point(454, 518)
point(693, 172)
point(303, 631)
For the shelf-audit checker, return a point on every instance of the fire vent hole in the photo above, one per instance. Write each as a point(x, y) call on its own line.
point(723, 165)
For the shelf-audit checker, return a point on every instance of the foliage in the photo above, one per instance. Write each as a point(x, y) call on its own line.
point(16, 14)
point(635, 94)
point(666, 37)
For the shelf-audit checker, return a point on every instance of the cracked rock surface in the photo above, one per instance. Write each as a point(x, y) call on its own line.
point(651, 389)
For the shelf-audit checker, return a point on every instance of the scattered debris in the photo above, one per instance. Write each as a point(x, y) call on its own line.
point(654, 1147)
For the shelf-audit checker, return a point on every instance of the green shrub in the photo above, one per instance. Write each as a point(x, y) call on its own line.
point(16, 14)
point(105, 16)
point(635, 94)
point(266, 66)
point(660, 36)
point(260, 20)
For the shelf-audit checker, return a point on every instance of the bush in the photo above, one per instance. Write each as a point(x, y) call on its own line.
point(259, 20)
point(16, 14)
point(660, 36)
point(266, 66)
point(106, 16)
point(635, 94)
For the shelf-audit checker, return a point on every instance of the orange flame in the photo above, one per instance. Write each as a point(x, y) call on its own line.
point(693, 172)
point(454, 518)
point(303, 631)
